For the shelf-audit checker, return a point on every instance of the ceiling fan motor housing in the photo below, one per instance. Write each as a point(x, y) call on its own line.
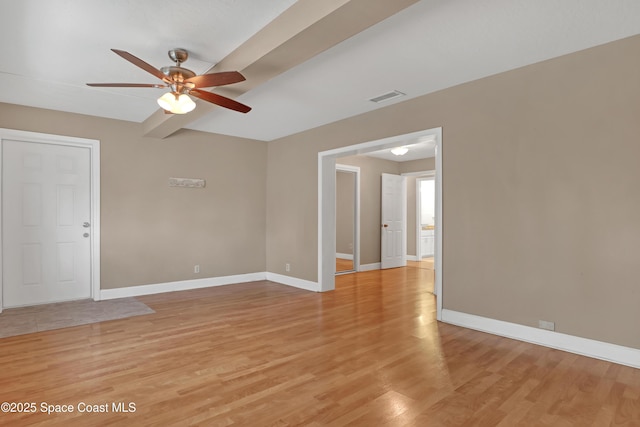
point(176, 73)
point(178, 55)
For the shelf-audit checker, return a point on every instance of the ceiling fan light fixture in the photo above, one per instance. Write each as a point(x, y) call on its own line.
point(399, 151)
point(177, 104)
point(182, 83)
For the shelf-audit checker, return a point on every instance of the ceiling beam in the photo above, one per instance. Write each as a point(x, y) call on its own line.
point(301, 32)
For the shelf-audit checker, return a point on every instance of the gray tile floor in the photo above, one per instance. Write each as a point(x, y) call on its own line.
point(25, 320)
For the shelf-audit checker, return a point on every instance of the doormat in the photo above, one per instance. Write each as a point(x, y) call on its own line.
point(26, 320)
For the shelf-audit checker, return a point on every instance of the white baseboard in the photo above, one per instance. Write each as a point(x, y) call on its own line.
point(369, 267)
point(344, 256)
point(587, 347)
point(412, 258)
point(293, 281)
point(183, 285)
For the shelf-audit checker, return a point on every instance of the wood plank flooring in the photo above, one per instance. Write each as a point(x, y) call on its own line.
point(343, 264)
point(423, 263)
point(261, 354)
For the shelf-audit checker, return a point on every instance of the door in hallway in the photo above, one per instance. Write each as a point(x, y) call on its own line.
point(394, 221)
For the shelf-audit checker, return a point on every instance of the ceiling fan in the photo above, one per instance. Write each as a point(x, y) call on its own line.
point(182, 83)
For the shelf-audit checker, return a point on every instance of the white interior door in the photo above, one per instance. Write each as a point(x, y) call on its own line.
point(394, 221)
point(46, 209)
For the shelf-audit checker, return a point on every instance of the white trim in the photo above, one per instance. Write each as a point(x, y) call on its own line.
point(584, 346)
point(94, 152)
point(183, 285)
point(418, 224)
point(412, 258)
point(369, 267)
point(344, 256)
point(293, 281)
point(439, 223)
point(356, 214)
point(421, 174)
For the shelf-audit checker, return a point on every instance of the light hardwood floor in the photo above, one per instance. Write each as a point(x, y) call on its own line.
point(423, 263)
point(260, 354)
point(343, 265)
point(347, 264)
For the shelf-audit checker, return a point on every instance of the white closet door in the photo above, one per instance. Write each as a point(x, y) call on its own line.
point(46, 245)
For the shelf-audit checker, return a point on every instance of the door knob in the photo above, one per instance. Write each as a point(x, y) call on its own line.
point(86, 225)
point(85, 235)
point(385, 225)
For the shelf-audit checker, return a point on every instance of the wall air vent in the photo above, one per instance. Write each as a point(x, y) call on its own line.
point(387, 96)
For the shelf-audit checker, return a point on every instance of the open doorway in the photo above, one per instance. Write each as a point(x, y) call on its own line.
point(426, 217)
point(347, 219)
point(327, 204)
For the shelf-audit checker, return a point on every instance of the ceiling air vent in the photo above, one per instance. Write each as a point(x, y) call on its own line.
point(387, 96)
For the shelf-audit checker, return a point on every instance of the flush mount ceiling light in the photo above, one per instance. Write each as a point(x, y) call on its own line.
point(399, 151)
point(182, 83)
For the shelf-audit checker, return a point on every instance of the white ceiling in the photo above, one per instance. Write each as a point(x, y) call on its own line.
point(50, 49)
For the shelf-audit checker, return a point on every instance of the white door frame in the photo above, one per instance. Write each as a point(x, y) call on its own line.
point(356, 214)
point(94, 152)
point(327, 207)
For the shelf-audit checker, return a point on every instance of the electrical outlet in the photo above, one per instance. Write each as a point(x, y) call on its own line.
point(196, 268)
point(549, 326)
point(287, 267)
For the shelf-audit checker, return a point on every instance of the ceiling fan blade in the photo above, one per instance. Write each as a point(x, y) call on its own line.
point(125, 85)
point(140, 63)
point(216, 79)
point(220, 100)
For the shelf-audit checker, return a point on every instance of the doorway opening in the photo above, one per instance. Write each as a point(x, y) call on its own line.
point(347, 219)
point(426, 217)
point(327, 205)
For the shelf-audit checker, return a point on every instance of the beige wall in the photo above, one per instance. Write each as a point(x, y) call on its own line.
point(545, 157)
point(152, 233)
point(421, 165)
